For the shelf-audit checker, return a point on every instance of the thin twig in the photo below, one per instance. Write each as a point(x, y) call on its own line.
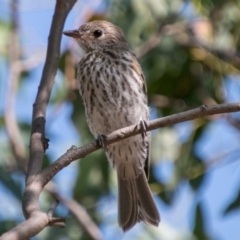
point(230, 58)
point(78, 212)
point(52, 208)
point(57, 222)
point(154, 41)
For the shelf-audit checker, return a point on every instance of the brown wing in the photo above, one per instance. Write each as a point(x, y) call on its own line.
point(137, 68)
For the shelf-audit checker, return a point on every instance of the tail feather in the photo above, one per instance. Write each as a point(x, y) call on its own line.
point(127, 209)
point(135, 202)
point(147, 207)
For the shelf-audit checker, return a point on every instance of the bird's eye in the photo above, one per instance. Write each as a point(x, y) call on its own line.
point(97, 33)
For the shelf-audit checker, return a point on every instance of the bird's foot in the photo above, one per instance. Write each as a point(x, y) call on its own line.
point(143, 125)
point(101, 141)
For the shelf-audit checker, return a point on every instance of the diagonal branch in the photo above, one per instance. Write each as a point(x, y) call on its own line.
point(231, 58)
point(75, 153)
point(154, 41)
point(78, 212)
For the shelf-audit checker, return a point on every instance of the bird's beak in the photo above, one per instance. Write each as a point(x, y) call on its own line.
point(72, 33)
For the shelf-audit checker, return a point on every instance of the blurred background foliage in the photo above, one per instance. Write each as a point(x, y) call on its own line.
point(189, 52)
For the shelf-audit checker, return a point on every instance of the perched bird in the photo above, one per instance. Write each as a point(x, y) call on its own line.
point(113, 90)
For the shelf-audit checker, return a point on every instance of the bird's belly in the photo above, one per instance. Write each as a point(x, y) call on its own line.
point(110, 118)
point(112, 99)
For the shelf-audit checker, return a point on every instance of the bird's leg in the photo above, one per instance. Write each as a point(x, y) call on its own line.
point(101, 141)
point(143, 125)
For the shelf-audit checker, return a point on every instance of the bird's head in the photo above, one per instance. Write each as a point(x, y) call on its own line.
point(99, 35)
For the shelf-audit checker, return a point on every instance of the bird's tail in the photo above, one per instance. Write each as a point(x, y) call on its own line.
point(135, 201)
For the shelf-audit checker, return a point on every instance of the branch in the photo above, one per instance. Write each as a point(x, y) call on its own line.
point(78, 212)
point(75, 153)
point(36, 178)
point(41, 220)
point(229, 57)
point(37, 220)
point(29, 228)
point(33, 188)
point(16, 67)
point(154, 41)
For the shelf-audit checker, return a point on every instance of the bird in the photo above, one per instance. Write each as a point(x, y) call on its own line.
point(113, 90)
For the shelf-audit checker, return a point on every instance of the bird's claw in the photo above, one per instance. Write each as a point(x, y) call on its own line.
point(143, 125)
point(101, 141)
